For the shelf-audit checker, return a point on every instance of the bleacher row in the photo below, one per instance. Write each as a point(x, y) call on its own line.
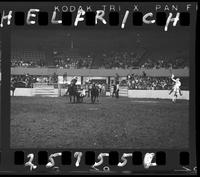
point(27, 55)
point(115, 59)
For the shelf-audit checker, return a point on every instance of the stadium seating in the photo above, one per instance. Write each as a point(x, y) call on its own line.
point(108, 60)
point(26, 57)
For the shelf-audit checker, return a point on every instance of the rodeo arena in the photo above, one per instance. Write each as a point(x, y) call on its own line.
point(62, 97)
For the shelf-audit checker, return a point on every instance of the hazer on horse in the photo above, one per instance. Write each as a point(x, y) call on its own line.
point(74, 94)
point(72, 90)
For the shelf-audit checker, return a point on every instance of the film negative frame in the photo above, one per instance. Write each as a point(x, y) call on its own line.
point(80, 161)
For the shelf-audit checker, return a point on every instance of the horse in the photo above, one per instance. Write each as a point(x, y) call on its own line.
point(71, 90)
point(73, 93)
point(94, 94)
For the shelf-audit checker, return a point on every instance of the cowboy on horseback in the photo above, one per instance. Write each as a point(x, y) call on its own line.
point(72, 89)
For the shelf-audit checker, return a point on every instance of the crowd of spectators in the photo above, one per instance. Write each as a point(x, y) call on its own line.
point(75, 62)
point(28, 80)
point(149, 83)
point(131, 60)
point(144, 82)
point(25, 80)
point(26, 64)
point(107, 60)
point(123, 60)
point(164, 63)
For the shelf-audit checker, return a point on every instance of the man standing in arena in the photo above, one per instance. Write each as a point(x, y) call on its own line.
point(117, 85)
point(117, 91)
point(100, 88)
point(114, 90)
point(89, 89)
point(94, 93)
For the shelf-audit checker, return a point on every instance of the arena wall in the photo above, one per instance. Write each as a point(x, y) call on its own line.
point(31, 92)
point(23, 92)
point(99, 72)
point(161, 94)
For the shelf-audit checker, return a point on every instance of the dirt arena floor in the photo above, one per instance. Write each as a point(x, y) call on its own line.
point(38, 122)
